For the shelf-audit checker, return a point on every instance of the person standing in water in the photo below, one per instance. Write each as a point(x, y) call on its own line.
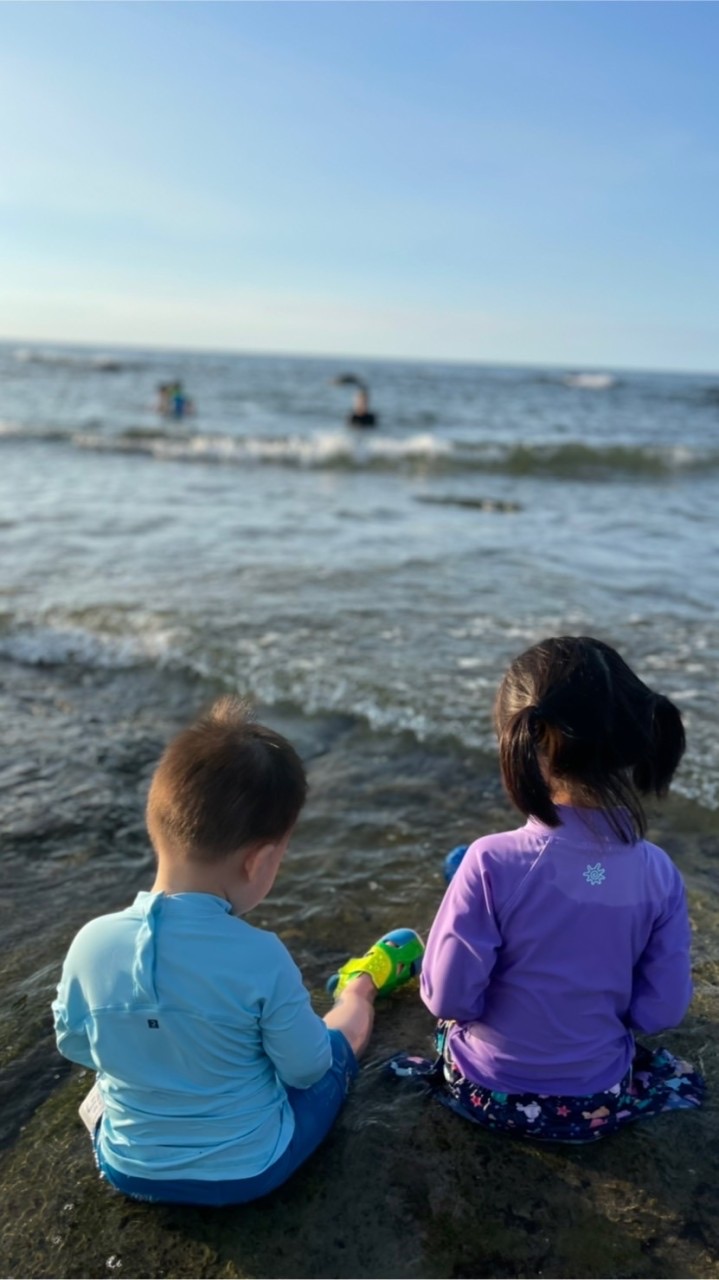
point(361, 415)
point(162, 403)
point(172, 402)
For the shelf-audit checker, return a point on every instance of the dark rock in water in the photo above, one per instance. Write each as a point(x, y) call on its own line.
point(470, 504)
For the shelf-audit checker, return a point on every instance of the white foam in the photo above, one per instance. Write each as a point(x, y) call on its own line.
point(44, 646)
point(321, 449)
point(113, 444)
point(590, 381)
point(422, 445)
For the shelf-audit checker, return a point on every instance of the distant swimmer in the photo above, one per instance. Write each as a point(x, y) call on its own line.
point(172, 401)
point(162, 403)
point(361, 415)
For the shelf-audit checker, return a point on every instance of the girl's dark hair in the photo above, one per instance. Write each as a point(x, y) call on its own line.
point(573, 704)
point(223, 784)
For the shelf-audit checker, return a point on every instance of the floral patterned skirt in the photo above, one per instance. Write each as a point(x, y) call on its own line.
point(656, 1081)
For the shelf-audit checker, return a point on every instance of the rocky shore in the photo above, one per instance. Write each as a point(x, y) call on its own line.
point(401, 1188)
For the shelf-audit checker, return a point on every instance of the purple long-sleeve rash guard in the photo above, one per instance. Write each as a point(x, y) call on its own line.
point(553, 944)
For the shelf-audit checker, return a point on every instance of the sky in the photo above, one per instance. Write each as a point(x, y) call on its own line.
point(509, 182)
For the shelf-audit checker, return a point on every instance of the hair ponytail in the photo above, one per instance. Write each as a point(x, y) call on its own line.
point(523, 777)
point(667, 744)
point(574, 703)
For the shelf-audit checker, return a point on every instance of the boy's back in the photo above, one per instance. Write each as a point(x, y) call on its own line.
point(216, 1078)
point(195, 1020)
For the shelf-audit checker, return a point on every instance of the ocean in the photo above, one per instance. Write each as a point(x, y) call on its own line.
point(387, 575)
point(366, 590)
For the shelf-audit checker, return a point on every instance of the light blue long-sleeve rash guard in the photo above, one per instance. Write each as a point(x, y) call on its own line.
point(195, 1022)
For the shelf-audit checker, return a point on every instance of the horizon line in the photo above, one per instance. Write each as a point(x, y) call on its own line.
point(57, 343)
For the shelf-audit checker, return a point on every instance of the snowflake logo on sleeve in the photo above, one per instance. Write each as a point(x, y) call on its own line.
point(594, 874)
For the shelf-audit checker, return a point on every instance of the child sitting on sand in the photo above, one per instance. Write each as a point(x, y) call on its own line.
point(216, 1078)
point(556, 941)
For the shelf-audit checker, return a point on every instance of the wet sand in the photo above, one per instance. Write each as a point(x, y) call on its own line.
point(401, 1188)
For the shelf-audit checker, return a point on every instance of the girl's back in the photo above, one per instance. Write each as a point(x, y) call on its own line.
point(555, 941)
point(550, 945)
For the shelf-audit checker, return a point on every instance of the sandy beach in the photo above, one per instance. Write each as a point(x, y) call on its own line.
point(401, 1188)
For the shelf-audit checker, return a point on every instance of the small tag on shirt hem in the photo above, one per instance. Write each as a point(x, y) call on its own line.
point(90, 1111)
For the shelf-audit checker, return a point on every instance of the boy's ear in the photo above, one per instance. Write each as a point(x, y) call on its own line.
point(253, 859)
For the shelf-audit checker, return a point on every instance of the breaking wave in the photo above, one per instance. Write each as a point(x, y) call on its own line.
point(424, 451)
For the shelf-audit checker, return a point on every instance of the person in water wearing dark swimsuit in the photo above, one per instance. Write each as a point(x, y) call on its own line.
point(361, 415)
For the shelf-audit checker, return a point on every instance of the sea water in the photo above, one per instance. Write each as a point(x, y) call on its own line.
point(387, 574)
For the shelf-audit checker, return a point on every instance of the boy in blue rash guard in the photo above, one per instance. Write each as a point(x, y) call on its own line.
point(216, 1077)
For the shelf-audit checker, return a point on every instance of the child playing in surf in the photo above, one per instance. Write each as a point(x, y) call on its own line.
point(216, 1079)
point(556, 941)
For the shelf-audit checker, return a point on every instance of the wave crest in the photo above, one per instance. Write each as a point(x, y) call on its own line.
point(426, 451)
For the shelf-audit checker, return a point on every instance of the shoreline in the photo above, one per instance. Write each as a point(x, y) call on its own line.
point(401, 1187)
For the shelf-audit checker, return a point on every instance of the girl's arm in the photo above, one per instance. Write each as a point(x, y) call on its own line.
point(462, 945)
point(662, 984)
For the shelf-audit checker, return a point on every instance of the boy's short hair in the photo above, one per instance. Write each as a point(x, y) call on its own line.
point(223, 784)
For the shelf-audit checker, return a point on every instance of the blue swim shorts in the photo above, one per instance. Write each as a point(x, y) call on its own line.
point(315, 1110)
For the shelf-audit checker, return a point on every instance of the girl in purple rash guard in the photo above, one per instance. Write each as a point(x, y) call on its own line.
point(557, 941)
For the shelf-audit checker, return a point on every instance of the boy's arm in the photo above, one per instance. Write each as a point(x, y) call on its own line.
point(294, 1037)
point(71, 1042)
point(462, 946)
point(662, 984)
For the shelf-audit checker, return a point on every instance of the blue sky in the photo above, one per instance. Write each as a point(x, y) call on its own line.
point(494, 181)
